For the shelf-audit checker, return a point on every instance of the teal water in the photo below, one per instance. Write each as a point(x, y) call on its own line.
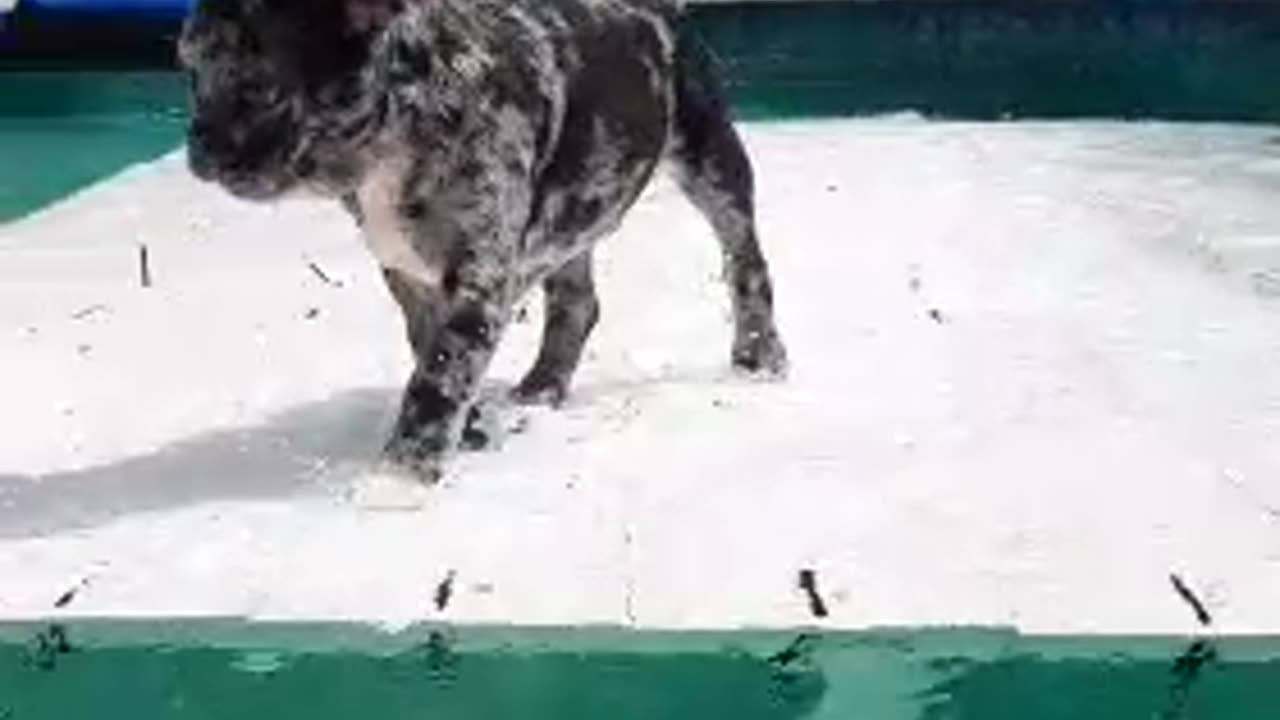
point(62, 131)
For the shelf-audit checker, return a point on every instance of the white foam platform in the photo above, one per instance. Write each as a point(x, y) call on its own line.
point(1095, 403)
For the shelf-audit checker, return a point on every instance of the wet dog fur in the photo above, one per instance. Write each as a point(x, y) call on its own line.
point(484, 147)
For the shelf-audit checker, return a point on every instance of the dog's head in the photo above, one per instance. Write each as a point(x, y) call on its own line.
point(279, 94)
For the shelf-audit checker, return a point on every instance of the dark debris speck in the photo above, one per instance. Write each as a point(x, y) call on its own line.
point(322, 275)
point(69, 596)
point(444, 591)
point(807, 580)
point(88, 311)
point(1189, 597)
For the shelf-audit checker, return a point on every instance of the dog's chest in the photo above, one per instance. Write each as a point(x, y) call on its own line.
point(385, 229)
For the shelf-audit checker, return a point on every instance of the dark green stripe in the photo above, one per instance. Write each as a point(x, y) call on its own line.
point(1170, 59)
point(991, 59)
point(216, 669)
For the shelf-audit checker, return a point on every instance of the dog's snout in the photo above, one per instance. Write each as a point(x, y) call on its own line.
point(198, 162)
point(200, 150)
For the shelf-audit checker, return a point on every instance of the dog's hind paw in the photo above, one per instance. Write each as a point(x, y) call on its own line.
point(540, 389)
point(762, 355)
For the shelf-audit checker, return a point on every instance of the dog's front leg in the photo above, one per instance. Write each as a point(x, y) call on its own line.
point(454, 332)
point(456, 283)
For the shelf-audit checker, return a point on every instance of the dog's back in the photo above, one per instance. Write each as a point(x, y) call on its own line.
point(590, 85)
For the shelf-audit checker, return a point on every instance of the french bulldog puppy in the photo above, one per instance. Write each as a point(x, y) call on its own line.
point(484, 147)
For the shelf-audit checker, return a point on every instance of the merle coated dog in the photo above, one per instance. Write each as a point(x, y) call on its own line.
point(483, 146)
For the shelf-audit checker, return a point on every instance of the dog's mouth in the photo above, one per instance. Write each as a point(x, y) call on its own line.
point(239, 179)
point(254, 189)
point(256, 186)
point(250, 161)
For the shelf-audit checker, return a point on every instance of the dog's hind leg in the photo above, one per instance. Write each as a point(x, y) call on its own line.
point(713, 170)
point(571, 311)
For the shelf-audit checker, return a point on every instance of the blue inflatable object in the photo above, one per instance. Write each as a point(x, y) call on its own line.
point(107, 6)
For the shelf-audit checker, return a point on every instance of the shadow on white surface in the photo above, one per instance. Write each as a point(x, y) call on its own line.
point(287, 456)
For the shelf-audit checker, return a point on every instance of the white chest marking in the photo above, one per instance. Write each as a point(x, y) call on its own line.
point(385, 231)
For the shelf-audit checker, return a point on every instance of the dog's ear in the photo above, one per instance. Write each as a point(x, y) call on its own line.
point(371, 16)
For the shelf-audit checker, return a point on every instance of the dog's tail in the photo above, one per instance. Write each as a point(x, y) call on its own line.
point(700, 89)
point(699, 72)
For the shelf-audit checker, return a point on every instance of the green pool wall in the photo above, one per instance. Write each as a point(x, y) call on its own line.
point(81, 98)
point(51, 670)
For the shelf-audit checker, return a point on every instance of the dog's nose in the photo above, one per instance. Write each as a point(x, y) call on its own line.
point(198, 163)
point(199, 159)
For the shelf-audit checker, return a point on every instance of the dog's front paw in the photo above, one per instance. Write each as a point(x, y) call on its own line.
point(390, 486)
point(489, 424)
point(417, 460)
point(478, 432)
point(761, 354)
